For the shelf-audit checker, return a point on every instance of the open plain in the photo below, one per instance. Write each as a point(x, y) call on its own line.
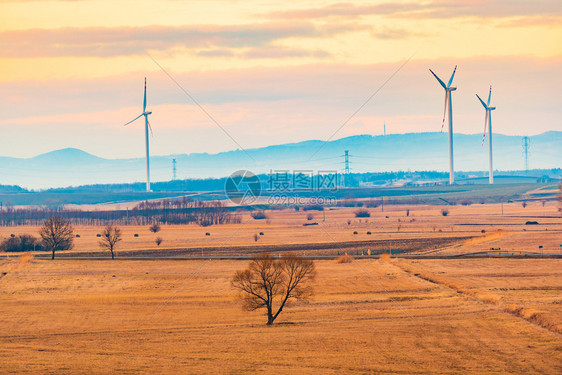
point(370, 316)
point(459, 314)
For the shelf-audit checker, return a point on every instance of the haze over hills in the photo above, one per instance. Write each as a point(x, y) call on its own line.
point(412, 151)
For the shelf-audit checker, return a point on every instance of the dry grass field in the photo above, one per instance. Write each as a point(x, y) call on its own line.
point(396, 316)
point(425, 230)
point(370, 316)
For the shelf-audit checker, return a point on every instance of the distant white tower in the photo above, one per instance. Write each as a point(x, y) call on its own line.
point(146, 128)
point(449, 105)
point(488, 120)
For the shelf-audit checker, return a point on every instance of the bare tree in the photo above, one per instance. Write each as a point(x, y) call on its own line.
point(57, 234)
point(269, 283)
point(154, 228)
point(110, 236)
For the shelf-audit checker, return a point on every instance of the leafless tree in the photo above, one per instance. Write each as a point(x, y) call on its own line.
point(269, 283)
point(154, 228)
point(158, 240)
point(57, 234)
point(110, 236)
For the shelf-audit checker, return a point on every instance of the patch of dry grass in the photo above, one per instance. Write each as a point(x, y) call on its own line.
point(67, 316)
point(345, 258)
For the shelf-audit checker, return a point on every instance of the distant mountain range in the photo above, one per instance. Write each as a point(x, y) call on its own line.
point(412, 151)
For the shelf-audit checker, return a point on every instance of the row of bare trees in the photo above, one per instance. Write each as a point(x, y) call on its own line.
point(180, 211)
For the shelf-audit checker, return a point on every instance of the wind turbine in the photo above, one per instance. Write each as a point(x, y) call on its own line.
point(488, 121)
point(448, 90)
point(147, 126)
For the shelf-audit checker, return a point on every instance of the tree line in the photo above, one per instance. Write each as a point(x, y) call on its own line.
point(178, 211)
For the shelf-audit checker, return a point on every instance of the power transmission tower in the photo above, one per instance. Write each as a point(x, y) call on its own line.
point(526, 144)
point(345, 177)
point(174, 171)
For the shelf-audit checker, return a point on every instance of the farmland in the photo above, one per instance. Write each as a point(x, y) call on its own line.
point(96, 316)
point(144, 312)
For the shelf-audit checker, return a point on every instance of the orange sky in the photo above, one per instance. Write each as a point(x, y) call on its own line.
point(270, 72)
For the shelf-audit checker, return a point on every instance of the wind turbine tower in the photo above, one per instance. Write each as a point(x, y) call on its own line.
point(488, 122)
point(448, 104)
point(147, 126)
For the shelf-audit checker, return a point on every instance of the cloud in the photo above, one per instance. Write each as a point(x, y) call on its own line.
point(431, 9)
point(122, 41)
point(280, 52)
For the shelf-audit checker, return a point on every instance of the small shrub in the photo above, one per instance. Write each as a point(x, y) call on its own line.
point(355, 232)
point(524, 204)
point(444, 212)
point(256, 238)
point(77, 236)
point(23, 242)
point(362, 213)
point(154, 228)
point(158, 240)
point(261, 233)
point(259, 215)
point(136, 235)
point(369, 233)
point(207, 234)
point(99, 235)
point(408, 212)
point(309, 217)
point(344, 259)
point(349, 222)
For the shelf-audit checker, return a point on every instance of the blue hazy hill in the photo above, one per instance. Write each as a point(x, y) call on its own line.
point(411, 151)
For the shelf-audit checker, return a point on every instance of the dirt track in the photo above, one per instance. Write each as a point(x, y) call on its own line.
point(321, 248)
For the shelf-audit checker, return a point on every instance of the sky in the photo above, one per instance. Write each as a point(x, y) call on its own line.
point(224, 75)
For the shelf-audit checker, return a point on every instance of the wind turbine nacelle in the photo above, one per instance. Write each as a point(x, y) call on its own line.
point(452, 88)
point(148, 113)
point(492, 108)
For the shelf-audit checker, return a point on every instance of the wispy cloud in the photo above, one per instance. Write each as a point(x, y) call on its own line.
point(431, 9)
point(106, 42)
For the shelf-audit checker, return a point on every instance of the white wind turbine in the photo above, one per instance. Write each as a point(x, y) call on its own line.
point(146, 128)
point(448, 90)
point(488, 123)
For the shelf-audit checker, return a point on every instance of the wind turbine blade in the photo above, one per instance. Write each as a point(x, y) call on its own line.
point(144, 102)
point(452, 75)
point(485, 126)
point(440, 82)
point(490, 95)
point(445, 110)
point(481, 101)
point(150, 127)
point(136, 118)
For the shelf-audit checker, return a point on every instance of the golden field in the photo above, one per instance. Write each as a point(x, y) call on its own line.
point(398, 315)
point(392, 228)
point(369, 316)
